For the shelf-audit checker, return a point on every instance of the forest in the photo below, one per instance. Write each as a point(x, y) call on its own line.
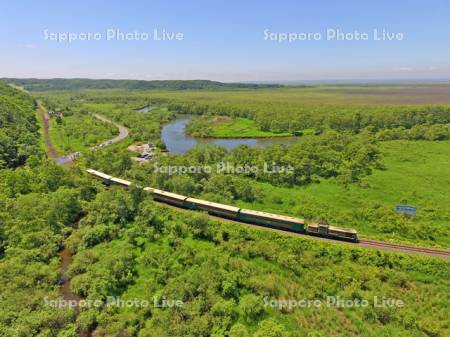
point(18, 129)
point(419, 122)
point(202, 276)
point(77, 84)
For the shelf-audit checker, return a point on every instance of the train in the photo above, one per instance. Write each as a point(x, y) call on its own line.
point(277, 221)
point(323, 229)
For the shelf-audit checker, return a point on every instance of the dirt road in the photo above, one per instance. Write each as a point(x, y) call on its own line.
point(123, 131)
point(45, 126)
point(67, 159)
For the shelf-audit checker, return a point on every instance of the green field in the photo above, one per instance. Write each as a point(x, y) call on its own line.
point(319, 94)
point(79, 132)
point(414, 173)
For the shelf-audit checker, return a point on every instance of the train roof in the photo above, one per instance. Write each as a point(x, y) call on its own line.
point(338, 229)
point(99, 174)
point(272, 216)
point(121, 181)
point(213, 204)
point(341, 229)
point(168, 194)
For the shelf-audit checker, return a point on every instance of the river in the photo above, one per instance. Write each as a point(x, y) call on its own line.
point(147, 108)
point(178, 142)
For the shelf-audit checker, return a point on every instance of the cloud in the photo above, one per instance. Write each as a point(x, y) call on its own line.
point(402, 69)
point(28, 45)
point(433, 68)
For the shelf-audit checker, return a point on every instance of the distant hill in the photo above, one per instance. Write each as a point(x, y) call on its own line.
point(33, 84)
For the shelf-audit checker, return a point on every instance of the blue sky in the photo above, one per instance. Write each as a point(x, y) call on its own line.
point(224, 40)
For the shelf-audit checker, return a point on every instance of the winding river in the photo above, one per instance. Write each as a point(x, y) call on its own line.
point(178, 142)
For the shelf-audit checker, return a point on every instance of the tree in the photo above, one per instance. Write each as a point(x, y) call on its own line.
point(251, 307)
point(270, 328)
point(59, 120)
point(238, 330)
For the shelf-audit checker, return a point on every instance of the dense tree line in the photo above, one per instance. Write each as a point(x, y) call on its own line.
point(18, 127)
point(432, 132)
point(40, 205)
point(329, 155)
point(84, 83)
point(199, 127)
point(290, 117)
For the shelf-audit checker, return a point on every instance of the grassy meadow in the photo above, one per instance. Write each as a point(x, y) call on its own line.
point(322, 94)
point(79, 132)
point(413, 173)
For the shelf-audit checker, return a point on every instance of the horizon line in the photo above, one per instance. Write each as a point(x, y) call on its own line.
point(281, 81)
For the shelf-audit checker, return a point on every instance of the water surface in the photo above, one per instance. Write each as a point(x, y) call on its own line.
point(147, 108)
point(177, 141)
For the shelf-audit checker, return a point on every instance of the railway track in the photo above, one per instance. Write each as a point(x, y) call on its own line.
point(363, 243)
point(437, 252)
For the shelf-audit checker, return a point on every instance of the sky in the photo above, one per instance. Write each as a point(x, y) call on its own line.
point(226, 40)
